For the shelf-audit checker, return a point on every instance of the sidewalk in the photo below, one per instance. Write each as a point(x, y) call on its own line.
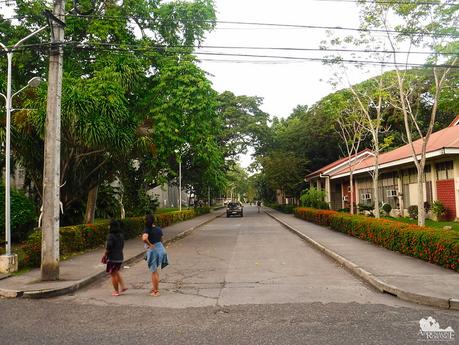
point(81, 270)
point(406, 277)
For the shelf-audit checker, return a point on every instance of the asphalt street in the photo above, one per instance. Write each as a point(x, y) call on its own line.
point(234, 281)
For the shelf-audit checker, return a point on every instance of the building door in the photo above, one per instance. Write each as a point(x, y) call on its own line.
point(446, 195)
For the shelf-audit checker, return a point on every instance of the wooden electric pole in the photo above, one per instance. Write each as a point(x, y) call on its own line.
point(51, 171)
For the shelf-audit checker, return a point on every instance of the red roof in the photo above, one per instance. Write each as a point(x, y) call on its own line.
point(455, 122)
point(333, 164)
point(445, 138)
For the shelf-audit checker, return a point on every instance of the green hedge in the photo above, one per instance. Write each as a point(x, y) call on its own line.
point(78, 238)
point(433, 245)
point(283, 208)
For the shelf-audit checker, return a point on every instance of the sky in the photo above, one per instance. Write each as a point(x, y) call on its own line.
point(282, 85)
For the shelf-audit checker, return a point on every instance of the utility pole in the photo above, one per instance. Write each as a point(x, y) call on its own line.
point(51, 171)
point(180, 184)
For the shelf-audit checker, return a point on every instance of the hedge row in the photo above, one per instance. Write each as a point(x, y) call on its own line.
point(78, 238)
point(433, 245)
point(283, 208)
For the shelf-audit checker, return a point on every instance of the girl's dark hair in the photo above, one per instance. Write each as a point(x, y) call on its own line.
point(115, 226)
point(149, 220)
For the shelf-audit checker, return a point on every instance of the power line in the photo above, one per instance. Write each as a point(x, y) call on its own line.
point(114, 49)
point(264, 24)
point(300, 26)
point(388, 2)
point(404, 33)
point(138, 46)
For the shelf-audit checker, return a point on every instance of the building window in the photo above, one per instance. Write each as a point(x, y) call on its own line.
point(389, 195)
point(410, 175)
point(445, 170)
point(429, 195)
point(365, 196)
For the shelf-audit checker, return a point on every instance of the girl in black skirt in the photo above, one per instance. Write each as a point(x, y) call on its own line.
point(114, 253)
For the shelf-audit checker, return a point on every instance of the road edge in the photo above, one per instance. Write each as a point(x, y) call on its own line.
point(371, 279)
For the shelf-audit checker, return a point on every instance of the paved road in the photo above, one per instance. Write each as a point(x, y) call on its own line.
point(233, 261)
point(235, 281)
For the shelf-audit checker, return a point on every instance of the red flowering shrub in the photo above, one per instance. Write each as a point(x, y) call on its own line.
point(433, 245)
point(321, 217)
point(78, 238)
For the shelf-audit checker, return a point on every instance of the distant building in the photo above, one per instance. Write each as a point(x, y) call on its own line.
point(168, 196)
point(397, 175)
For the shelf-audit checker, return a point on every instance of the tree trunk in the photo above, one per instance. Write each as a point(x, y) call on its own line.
point(375, 186)
point(91, 205)
point(421, 209)
point(351, 184)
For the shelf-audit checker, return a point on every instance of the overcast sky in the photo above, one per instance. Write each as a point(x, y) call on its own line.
point(282, 84)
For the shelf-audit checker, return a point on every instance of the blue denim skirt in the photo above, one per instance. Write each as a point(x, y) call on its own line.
point(155, 256)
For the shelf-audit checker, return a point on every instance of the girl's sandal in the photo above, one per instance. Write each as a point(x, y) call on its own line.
point(115, 293)
point(155, 293)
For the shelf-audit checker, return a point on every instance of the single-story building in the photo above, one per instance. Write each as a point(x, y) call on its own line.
point(397, 175)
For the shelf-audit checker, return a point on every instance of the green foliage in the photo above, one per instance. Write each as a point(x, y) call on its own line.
point(432, 223)
point(413, 211)
point(436, 246)
point(119, 107)
point(439, 209)
point(146, 203)
point(314, 198)
point(237, 182)
point(263, 191)
point(108, 201)
point(289, 209)
point(244, 123)
point(283, 171)
point(386, 208)
point(23, 216)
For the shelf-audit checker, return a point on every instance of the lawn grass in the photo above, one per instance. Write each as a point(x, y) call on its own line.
point(430, 223)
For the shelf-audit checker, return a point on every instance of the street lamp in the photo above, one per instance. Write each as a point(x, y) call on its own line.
point(34, 82)
point(180, 178)
point(8, 262)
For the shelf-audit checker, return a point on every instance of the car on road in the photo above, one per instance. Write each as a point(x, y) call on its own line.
point(234, 209)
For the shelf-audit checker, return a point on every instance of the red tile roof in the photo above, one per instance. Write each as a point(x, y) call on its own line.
point(455, 122)
point(445, 138)
point(333, 164)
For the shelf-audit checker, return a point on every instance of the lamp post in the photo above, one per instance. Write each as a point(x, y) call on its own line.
point(8, 262)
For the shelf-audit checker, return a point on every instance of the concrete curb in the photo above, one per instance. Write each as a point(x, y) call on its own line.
point(4, 276)
point(371, 279)
point(47, 293)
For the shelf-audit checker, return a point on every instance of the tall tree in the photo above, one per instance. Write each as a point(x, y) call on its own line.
point(243, 123)
point(435, 25)
point(351, 129)
point(106, 111)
